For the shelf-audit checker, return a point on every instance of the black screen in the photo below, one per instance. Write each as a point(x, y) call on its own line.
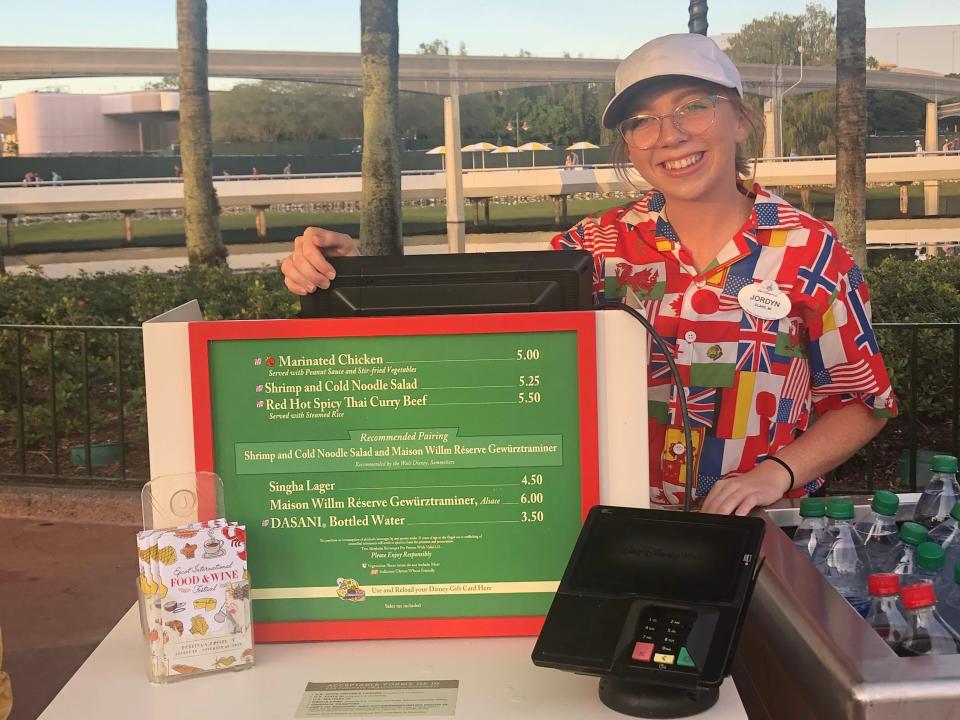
point(691, 562)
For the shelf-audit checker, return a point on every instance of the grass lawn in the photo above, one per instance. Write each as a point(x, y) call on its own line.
point(239, 228)
point(285, 225)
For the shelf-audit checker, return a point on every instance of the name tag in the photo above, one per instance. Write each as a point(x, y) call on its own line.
point(764, 300)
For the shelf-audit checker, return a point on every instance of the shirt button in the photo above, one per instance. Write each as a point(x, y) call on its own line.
point(690, 336)
point(700, 283)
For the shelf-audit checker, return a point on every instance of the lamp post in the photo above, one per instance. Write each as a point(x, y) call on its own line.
point(511, 126)
point(698, 17)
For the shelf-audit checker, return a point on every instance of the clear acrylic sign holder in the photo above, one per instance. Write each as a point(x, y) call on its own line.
point(171, 502)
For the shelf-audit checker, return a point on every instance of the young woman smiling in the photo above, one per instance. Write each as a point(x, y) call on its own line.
point(766, 314)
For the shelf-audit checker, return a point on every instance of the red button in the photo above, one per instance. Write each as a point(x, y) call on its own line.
point(642, 651)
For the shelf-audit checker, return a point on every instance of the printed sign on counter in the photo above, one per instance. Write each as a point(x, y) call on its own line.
point(401, 476)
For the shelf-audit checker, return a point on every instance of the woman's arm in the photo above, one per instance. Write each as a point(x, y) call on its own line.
point(833, 438)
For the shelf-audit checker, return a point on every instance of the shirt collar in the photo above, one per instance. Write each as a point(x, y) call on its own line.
point(770, 212)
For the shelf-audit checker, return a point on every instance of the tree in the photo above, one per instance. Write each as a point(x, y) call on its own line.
point(849, 215)
point(807, 120)
point(167, 82)
point(200, 207)
point(380, 226)
point(436, 47)
point(776, 39)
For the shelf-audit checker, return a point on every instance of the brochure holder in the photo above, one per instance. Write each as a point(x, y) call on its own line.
point(190, 506)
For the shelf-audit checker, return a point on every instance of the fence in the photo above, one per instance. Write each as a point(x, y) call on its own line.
point(81, 381)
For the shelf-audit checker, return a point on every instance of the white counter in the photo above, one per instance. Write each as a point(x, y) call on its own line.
point(497, 680)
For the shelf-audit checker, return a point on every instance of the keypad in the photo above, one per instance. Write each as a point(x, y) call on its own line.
point(662, 636)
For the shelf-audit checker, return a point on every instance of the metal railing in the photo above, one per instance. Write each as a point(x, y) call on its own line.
point(910, 397)
point(428, 171)
point(13, 351)
point(57, 407)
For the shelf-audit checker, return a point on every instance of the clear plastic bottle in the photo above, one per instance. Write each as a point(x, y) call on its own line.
point(884, 614)
point(940, 494)
point(947, 536)
point(812, 524)
point(949, 605)
point(841, 557)
point(878, 530)
point(927, 632)
point(929, 567)
point(904, 554)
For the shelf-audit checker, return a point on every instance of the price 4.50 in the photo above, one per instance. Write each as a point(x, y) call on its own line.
point(534, 516)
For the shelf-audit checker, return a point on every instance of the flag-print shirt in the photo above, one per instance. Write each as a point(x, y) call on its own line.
point(750, 384)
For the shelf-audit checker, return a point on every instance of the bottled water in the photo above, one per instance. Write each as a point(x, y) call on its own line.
point(904, 553)
point(812, 524)
point(884, 614)
point(878, 530)
point(929, 566)
point(949, 605)
point(841, 557)
point(927, 632)
point(940, 494)
point(947, 536)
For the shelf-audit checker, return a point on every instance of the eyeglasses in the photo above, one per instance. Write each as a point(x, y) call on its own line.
point(642, 131)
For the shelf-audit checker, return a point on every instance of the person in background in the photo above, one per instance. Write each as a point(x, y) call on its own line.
point(55, 178)
point(6, 691)
point(703, 257)
point(917, 147)
point(254, 173)
point(27, 179)
point(287, 169)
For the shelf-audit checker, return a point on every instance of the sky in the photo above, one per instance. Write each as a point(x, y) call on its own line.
point(597, 29)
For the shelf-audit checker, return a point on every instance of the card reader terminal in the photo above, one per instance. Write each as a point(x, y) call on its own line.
point(652, 601)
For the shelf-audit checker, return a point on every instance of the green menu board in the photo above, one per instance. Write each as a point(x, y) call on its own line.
point(438, 472)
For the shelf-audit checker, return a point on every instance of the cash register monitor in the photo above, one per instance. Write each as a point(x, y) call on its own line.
point(529, 281)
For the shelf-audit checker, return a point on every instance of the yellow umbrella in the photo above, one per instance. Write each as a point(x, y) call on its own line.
point(505, 149)
point(533, 147)
point(581, 146)
point(480, 147)
point(440, 150)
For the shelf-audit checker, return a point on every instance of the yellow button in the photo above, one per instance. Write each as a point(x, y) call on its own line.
point(665, 659)
point(664, 245)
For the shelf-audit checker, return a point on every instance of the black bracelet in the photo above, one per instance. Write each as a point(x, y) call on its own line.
point(786, 467)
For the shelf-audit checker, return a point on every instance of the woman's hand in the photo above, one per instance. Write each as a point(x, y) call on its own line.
point(306, 268)
point(739, 494)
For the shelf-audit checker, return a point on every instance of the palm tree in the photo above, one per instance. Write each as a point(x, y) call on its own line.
point(380, 227)
point(850, 209)
point(201, 210)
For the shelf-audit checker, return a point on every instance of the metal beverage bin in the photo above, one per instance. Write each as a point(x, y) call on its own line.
point(806, 654)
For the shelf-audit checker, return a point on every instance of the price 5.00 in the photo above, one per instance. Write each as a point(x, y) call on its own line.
point(528, 354)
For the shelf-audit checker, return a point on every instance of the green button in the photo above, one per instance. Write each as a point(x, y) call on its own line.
point(684, 659)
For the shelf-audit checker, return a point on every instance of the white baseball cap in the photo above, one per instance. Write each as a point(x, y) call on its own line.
point(685, 54)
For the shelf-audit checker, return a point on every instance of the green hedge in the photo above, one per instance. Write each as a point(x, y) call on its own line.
point(902, 291)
